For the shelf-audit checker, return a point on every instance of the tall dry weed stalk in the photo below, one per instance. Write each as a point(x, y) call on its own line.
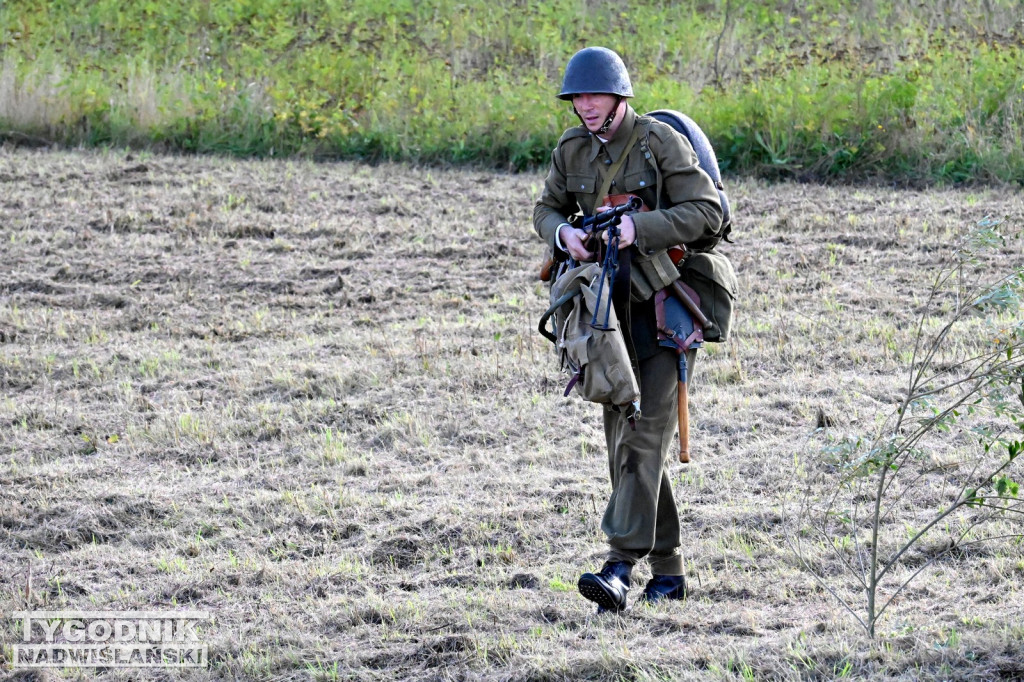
point(32, 103)
point(940, 474)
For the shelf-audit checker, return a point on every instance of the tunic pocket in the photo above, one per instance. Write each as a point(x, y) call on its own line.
point(638, 181)
point(581, 184)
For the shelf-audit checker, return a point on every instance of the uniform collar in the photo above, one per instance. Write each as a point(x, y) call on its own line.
point(617, 144)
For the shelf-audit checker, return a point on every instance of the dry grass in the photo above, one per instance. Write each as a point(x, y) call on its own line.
point(311, 400)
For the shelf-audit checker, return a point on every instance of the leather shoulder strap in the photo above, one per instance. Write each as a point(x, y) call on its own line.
point(607, 175)
point(645, 147)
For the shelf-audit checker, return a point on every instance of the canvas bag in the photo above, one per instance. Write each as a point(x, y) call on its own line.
point(595, 356)
point(712, 276)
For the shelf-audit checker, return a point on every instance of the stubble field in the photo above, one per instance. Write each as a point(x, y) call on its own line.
point(311, 400)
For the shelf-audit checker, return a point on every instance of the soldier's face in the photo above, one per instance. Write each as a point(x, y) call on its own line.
point(594, 109)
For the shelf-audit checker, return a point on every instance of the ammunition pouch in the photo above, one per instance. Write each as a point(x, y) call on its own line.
point(650, 274)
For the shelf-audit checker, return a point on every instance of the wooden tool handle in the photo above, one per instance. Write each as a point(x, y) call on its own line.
point(684, 424)
point(692, 306)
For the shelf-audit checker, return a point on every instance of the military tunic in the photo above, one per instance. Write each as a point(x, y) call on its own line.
point(641, 519)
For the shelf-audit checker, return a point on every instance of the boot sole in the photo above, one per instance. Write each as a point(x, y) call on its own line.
point(600, 592)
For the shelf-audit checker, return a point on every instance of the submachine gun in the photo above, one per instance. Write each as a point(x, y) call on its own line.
point(595, 225)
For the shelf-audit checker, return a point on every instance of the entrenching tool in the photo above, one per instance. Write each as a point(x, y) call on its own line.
point(681, 327)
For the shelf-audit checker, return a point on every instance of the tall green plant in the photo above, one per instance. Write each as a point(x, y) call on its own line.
point(942, 472)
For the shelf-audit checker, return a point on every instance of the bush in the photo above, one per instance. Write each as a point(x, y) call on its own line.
point(954, 439)
point(888, 89)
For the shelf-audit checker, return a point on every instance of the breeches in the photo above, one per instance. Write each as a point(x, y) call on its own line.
point(641, 519)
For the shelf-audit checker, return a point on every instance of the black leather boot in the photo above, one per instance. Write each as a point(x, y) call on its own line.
point(663, 587)
point(608, 587)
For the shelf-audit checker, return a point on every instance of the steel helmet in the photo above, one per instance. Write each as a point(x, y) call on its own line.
point(595, 70)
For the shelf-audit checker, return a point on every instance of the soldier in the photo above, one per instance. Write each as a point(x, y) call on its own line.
point(649, 159)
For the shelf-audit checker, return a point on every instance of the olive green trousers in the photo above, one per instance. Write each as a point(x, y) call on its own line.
point(641, 519)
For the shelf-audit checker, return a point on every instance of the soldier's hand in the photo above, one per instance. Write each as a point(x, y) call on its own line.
point(627, 232)
point(573, 241)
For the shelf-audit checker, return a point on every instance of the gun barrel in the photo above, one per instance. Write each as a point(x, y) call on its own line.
point(613, 214)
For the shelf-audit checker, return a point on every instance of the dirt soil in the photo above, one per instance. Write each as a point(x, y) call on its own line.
point(311, 400)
